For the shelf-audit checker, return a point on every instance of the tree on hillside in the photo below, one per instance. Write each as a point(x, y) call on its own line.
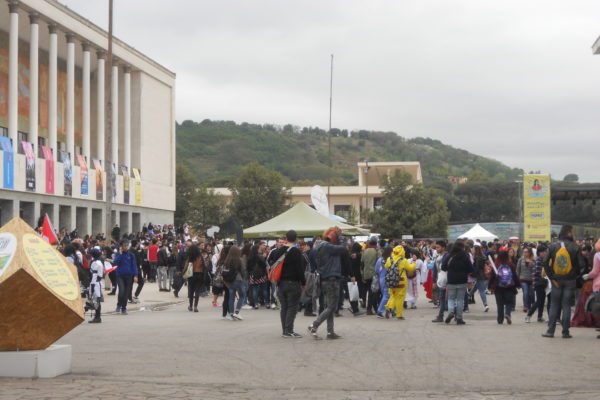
point(572, 178)
point(206, 209)
point(185, 183)
point(258, 194)
point(408, 209)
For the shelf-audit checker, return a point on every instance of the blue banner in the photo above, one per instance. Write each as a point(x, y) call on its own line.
point(8, 165)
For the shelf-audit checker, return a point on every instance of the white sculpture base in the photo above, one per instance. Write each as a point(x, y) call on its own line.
point(49, 363)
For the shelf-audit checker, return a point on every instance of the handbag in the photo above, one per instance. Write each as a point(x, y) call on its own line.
point(375, 285)
point(442, 279)
point(353, 291)
point(189, 272)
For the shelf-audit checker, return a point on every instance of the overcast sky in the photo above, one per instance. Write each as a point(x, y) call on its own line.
point(509, 79)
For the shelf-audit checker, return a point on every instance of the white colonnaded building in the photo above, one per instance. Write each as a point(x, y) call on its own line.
point(52, 123)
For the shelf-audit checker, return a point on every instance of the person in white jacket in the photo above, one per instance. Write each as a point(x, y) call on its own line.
point(95, 290)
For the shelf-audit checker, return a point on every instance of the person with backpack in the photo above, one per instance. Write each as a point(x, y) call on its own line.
point(232, 276)
point(127, 273)
point(562, 264)
point(195, 281)
point(95, 289)
point(504, 282)
point(380, 272)
point(396, 280)
point(459, 267)
point(479, 265)
point(539, 285)
point(440, 279)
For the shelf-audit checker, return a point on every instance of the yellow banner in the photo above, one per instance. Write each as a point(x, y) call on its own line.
point(138, 186)
point(536, 208)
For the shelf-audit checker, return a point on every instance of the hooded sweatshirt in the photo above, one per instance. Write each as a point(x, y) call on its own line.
point(329, 260)
point(398, 257)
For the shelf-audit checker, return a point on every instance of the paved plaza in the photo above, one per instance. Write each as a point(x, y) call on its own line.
point(162, 351)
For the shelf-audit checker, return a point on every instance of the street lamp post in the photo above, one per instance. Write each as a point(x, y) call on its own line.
point(366, 190)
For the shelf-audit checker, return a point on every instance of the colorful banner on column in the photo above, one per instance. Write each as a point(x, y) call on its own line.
point(125, 172)
point(29, 166)
point(536, 208)
point(99, 185)
point(113, 179)
point(68, 172)
point(83, 175)
point(49, 169)
point(8, 164)
point(138, 186)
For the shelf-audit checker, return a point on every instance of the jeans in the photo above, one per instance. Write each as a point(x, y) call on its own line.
point(540, 299)
point(443, 302)
point(240, 288)
point(505, 302)
point(152, 277)
point(289, 298)
point(370, 296)
point(124, 283)
point(138, 289)
point(527, 294)
point(481, 285)
point(255, 291)
point(163, 278)
point(561, 297)
point(456, 298)
point(385, 297)
point(331, 292)
point(170, 276)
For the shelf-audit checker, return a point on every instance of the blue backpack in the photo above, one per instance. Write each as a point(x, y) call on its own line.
point(505, 276)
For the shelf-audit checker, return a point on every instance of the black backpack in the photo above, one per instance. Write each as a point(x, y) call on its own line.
point(392, 276)
point(229, 274)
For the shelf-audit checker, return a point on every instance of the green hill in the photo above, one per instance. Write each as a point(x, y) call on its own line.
point(216, 150)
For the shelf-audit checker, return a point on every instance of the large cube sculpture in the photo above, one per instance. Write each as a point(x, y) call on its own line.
point(40, 300)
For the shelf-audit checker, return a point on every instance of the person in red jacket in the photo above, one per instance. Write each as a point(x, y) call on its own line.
point(153, 260)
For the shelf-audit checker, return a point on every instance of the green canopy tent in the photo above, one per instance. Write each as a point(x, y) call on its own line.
point(305, 220)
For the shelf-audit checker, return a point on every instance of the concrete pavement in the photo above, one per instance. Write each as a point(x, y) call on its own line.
point(172, 353)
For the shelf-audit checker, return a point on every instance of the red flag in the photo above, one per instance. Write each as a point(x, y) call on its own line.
point(48, 231)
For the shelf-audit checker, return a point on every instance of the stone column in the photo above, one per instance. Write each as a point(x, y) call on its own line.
point(115, 116)
point(71, 96)
point(85, 118)
point(100, 155)
point(127, 116)
point(34, 81)
point(13, 74)
point(52, 89)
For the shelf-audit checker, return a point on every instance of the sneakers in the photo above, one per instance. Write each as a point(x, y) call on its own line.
point(548, 335)
point(238, 317)
point(312, 330)
point(508, 320)
point(124, 312)
point(95, 321)
point(449, 318)
point(295, 335)
point(438, 319)
point(527, 319)
point(195, 309)
point(215, 304)
point(541, 320)
point(460, 322)
point(486, 309)
point(246, 307)
point(286, 335)
point(274, 307)
point(190, 308)
point(118, 310)
point(333, 336)
point(307, 314)
point(380, 316)
point(566, 336)
point(229, 317)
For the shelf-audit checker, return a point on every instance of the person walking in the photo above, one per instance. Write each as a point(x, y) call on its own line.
point(329, 253)
point(194, 261)
point(440, 284)
point(478, 274)
point(525, 268)
point(380, 272)
point(367, 266)
point(539, 285)
point(396, 279)
point(153, 260)
point(459, 267)
point(127, 273)
point(290, 285)
point(232, 275)
point(163, 268)
point(562, 264)
point(504, 283)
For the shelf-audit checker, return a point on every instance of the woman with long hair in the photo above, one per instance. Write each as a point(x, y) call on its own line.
point(504, 282)
point(218, 279)
point(232, 275)
point(194, 261)
point(459, 267)
point(257, 269)
point(525, 270)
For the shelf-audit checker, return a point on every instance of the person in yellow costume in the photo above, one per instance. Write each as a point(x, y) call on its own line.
point(398, 294)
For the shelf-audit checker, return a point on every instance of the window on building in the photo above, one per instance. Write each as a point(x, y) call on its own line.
point(22, 136)
point(342, 210)
point(377, 202)
point(3, 131)
point(61, 146)
point(41, 142)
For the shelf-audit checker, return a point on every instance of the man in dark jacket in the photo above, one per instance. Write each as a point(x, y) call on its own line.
point(563, 283)
point(290, 284)
point(329, 265)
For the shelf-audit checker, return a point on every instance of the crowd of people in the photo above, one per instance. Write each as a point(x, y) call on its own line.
point(379, 278)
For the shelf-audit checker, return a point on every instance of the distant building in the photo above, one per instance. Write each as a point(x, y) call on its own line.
point(344, 200)
point(52, 90)
point(458, 180)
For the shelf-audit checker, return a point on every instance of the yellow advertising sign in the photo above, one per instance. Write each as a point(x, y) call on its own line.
point(536, 208)
point(50, 267)
point(138, 186)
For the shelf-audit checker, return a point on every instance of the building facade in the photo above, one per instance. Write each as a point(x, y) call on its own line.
point(350, 202)
point(53, 87)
